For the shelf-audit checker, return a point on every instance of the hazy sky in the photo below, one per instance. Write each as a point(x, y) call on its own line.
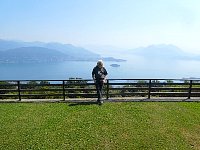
point(119, 23)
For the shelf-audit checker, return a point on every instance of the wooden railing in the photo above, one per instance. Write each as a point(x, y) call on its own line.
point(62, 89)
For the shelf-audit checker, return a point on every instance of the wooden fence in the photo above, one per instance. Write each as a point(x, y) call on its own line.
point(78, 88)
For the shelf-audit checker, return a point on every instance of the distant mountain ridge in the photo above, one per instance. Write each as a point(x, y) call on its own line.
point(32, 54)
point(18, 51)
point(162, 51)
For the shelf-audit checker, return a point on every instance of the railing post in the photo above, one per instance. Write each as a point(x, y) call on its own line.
point(19, 90)
point(149, 92)
point(63, 90)
point(107, 91)
point(190, 89)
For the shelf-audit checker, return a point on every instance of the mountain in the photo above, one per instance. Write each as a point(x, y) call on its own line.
point(19, 51)
point(71, 50)
point(6, 44)
point(32, 54)
point(162, 51)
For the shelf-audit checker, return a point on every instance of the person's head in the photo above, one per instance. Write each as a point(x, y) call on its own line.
point(100, 63)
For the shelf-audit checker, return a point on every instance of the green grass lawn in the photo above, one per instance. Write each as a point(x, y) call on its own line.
point(134, 125)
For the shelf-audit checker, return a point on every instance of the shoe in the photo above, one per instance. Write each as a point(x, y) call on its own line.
point(98, 101)
point(101, 102)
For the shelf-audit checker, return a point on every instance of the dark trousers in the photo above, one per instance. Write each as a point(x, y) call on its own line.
point(99, 86)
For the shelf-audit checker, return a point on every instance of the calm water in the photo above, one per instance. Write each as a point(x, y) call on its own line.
point(134, 68)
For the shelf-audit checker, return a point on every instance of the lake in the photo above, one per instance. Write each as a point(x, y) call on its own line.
point(134, 67)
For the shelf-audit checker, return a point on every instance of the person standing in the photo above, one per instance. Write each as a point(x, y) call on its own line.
point(99, 74)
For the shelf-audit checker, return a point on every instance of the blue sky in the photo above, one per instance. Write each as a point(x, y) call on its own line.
point(118, 23)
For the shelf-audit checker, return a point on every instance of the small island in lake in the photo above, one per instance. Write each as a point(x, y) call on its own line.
point(115, 65)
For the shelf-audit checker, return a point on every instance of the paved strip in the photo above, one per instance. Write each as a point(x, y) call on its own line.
point(129, 99)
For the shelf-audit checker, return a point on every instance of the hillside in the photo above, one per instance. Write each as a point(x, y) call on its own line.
point(162, 51)
point(18, 51)
point(32, 54)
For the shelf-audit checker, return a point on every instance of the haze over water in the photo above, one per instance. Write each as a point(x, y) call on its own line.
point(133, 68)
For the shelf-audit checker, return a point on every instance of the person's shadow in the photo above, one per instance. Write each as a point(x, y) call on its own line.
point(83, 103)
